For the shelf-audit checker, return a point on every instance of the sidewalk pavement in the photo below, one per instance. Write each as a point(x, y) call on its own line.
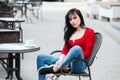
point(48, 33)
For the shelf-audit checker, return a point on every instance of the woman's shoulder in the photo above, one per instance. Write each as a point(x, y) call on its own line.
point(90, 30)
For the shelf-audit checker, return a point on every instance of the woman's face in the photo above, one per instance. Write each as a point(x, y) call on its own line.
point(74, 20)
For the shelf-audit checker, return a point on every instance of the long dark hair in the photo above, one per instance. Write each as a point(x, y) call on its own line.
point(69, 29)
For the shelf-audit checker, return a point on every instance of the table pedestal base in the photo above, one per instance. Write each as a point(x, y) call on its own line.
point(11, 68)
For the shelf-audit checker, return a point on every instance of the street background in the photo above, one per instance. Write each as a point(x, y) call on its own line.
point(48, 34)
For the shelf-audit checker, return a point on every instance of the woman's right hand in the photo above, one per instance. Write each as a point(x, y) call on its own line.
point(56, 67)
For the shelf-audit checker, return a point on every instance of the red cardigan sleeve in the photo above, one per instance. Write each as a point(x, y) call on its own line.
point(89, 43)
point(65, 49)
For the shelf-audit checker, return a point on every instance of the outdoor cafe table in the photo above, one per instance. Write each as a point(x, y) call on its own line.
point(14, 49)
point(24, 8)
point(11, 21)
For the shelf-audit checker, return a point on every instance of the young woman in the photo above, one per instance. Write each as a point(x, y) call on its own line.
point(79, 41)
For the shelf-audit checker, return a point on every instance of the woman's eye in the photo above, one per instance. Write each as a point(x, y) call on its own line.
point(74, 17)
point(70, 19)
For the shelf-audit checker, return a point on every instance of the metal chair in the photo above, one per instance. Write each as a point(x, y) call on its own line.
point(88, 61)
point(4, 7)
point(6, 11)
point(36, 6)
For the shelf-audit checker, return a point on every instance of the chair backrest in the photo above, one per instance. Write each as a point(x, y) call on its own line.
point(4, 25)
point(8, 36)
point(4, 12)
point(97, 44)
point(4, 7)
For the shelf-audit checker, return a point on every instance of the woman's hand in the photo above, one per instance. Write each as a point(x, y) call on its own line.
point(56, 67)
point(66, 69)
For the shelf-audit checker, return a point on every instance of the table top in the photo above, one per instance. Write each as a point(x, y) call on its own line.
point(18, 47)
point(10, 19)
point(8, 30)
point(23, 2)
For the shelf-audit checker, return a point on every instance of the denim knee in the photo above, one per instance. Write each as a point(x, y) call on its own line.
point(40, 56)
point(40, 59)
point(76, 48)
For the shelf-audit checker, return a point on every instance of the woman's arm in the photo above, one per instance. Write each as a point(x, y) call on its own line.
point(61, 57)
point(89, 43)
point(56, 66)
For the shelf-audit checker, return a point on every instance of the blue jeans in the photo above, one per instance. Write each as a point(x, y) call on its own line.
point(76, 66)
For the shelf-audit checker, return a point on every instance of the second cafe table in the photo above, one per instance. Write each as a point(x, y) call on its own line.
point(11, 21)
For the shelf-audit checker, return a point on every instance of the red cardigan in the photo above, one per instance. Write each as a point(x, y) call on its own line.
point(86, 43)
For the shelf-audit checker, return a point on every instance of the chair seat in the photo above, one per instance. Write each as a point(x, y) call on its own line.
point(73, 74)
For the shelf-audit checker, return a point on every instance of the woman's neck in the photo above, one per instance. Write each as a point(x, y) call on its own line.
point(78, 29)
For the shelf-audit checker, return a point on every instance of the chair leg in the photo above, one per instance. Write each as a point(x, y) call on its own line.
point(90, 77)
point(89, 73)
point(79, 77)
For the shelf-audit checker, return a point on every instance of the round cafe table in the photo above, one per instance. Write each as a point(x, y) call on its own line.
point(14, 50)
